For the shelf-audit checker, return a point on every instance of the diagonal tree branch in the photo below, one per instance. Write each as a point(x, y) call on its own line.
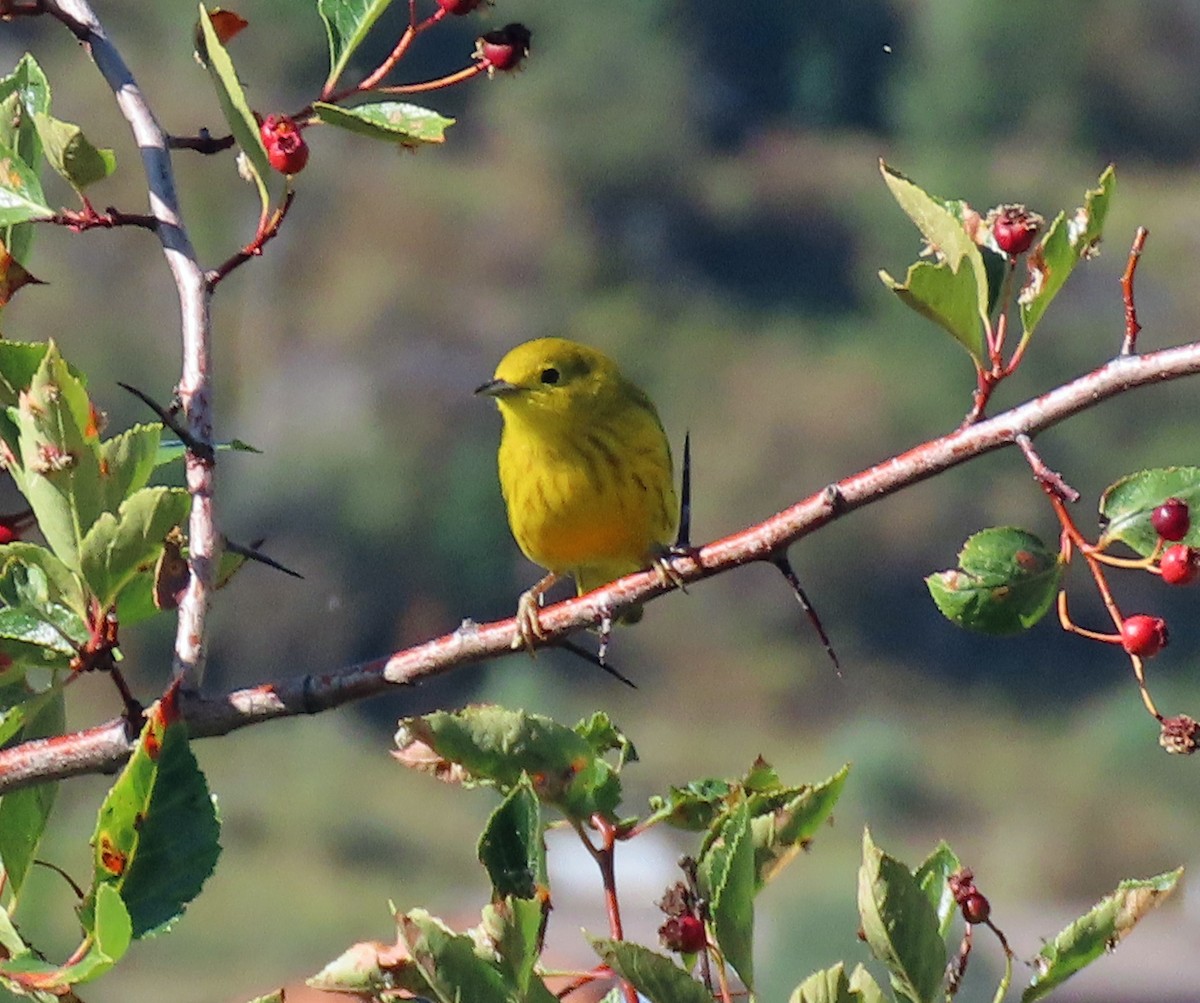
point(195, 387)
point(105, 747)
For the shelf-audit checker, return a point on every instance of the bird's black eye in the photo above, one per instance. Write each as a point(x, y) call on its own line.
point(550, 375)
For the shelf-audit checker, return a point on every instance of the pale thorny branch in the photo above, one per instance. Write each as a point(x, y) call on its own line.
point(195, 383)
point(105, 747)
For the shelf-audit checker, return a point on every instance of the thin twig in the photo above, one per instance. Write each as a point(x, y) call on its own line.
point(1132, 327)
point(255, 248)
point(195, 386)
point(104, 748)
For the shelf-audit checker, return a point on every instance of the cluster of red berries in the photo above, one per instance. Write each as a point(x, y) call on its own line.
point(975, 906)
point(1144, 635)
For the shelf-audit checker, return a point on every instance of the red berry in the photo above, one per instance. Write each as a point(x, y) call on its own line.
point(8, 534)
point(505, 48)
point(976, 908)
point(1179, 564)
point(684, 934)
point(1171, 520)
point(458, 7)
point(1144, 635)
point(1014, 228)
point(286, 149)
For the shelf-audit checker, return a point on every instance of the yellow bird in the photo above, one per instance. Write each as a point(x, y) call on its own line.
point(585, 470)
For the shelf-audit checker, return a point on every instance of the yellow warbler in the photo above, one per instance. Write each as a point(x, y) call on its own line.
point(585, 469)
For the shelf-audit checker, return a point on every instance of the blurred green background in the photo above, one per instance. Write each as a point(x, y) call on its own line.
point(692, 187)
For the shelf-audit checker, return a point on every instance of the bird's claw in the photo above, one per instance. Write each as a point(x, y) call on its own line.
point(529, 627)
point(665, 570)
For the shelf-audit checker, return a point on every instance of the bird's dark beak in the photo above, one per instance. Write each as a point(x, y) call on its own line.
point(498, 388)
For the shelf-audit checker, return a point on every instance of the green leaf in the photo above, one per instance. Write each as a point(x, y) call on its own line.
point(1006, 582)
point(784, 821)
point(23, 93)
point(19, 363)
point(832, 986)
point(656, 977)
point(727, 879)
point(863, 983)
point(692, 807)
point(71, 154)
point(603, 736)
point(449, 963)
point(954, 292)
point(120, 547)
point(511, 848)
point(21, 197)
point(58, 469)
point(946, 296)
point(236, 109)
point(106, 942)
point(1097, 932)
point(347, 23)
point(409, 125)
point(1125, 506)
point(24, 812)
point(516, 928)
point(933, 878)
point(900, 926)
point(156, 833)
point(1067, 242)
point(493, 746)
point(126, 462)
point(172, 450)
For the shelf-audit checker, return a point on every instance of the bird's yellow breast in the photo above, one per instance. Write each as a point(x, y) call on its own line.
point(596, 503)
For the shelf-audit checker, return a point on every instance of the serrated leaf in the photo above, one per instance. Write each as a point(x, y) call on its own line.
point(236, 109)
point(727, 879)
point(21, 197)
point(900, 926)
point(1067, 242)
point(1125, 506)
point(933, 879)
point(24, 812)
point(655, 977)
point(58, 469)
point(945, 296)
point(409, 125)
point(511, 848)
point(71, 154)
point(954, 293)
point(828, 986)
point(449, 963)
point(1006, 581)
point(23, 93)
point(494, 746)
point(126, 462)
point(1097, 932)
point(784, 821)
point(120, 547)
point(516, 928)
point(692, 807)
point(156, 834)
point(19, 362)
point(347, 23)
point(106, 942)
point(863, 983)
point(604, 736)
